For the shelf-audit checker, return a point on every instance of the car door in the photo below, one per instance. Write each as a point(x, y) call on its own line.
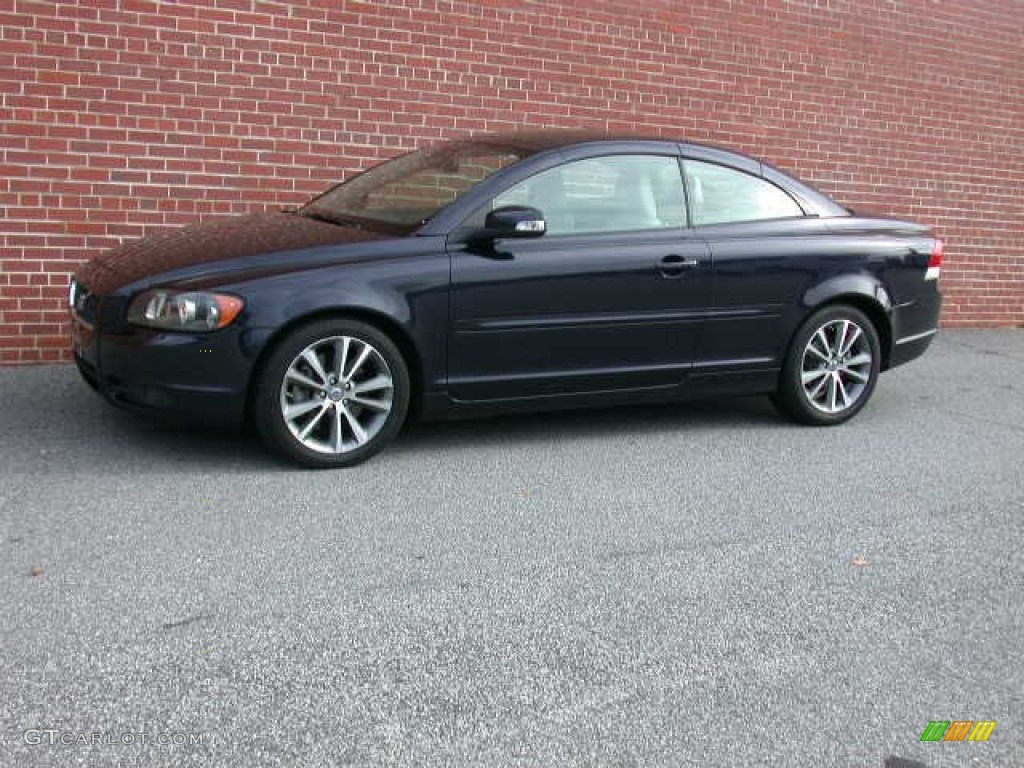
point(766, 253)
point(612, 297)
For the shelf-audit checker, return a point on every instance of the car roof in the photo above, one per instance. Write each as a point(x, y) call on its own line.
point(528, 143)
point(533, 142)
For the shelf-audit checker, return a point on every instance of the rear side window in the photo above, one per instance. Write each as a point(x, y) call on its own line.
point(721, 195)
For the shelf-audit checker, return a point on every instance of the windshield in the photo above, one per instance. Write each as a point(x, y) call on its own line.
point(400, 195)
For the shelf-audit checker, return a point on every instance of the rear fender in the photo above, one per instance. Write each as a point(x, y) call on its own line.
point(865, 286)
point(864, 292)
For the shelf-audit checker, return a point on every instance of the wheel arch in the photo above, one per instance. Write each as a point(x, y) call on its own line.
point(377, 319)
point(863, 293)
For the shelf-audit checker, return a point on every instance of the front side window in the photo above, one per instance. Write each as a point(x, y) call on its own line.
point(615, 193)
point(721, 195)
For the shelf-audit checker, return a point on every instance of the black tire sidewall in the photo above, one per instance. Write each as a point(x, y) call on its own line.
point(791, 397)
point(267, 410)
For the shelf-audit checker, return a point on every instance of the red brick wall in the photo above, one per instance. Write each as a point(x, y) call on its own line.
point(120, 117)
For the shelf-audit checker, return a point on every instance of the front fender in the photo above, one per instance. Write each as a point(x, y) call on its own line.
point(407, 298)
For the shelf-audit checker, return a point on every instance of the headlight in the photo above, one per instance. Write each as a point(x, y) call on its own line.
point(184, 311)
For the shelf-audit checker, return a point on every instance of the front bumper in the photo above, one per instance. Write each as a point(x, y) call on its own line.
point(201, 378)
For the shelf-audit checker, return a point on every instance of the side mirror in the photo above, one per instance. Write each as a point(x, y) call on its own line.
point(515, 221)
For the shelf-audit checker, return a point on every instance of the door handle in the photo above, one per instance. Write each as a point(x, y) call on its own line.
point(675, 265)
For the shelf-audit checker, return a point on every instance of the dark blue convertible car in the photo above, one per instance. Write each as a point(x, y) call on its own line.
point(510, 272)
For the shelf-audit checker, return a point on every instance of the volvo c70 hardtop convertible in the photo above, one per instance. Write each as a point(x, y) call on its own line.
point(509, 272)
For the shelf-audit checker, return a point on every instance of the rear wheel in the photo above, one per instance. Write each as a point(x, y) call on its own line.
point(332, 394)
point(832, 367)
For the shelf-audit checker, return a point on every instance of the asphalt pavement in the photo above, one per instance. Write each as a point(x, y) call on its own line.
point(704, 584)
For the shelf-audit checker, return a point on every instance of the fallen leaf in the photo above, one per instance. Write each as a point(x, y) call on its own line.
point(37, 570)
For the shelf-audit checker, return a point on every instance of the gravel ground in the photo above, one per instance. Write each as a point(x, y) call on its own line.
point(702, 584)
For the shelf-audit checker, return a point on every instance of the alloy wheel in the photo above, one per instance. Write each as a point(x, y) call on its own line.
point(337, 394)
point(836, 366)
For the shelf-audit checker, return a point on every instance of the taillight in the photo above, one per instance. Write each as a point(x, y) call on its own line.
point(935, 262)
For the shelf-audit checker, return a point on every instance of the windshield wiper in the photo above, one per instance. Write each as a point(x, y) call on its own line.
point(341, 221)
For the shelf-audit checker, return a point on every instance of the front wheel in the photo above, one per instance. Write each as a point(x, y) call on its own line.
point(831, 368)
point(332, 393)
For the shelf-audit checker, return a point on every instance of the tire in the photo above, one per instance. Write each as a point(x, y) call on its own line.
point(831, 368)
point(332, 393)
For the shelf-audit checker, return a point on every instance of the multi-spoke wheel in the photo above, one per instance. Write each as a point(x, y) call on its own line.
point(831, 368)
point(333, 393)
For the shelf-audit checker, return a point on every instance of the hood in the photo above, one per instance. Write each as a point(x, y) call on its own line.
point(208, 241)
